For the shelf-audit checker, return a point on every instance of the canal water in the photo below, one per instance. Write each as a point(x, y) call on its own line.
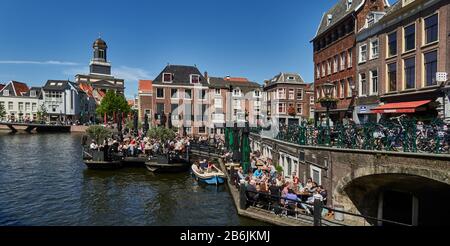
point(43, 181)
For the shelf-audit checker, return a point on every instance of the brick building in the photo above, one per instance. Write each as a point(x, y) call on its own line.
point(145, 100)
point(288, 99)
point(335, 53)
point(180, 99)
point(413, 40)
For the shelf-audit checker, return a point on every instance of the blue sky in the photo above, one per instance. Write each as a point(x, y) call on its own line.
point(51, 39)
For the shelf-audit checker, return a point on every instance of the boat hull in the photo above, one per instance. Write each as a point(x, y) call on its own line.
point(213, 178)
point(103, 165)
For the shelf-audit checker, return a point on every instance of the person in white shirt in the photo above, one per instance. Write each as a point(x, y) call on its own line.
point(93, 145)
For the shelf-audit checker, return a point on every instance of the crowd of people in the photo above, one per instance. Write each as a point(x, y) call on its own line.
point(264, 185)
point(138, 145)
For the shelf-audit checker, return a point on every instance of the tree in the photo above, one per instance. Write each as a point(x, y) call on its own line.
point(113, 102)
point(98, 133)
point(161, 133)
point(2, 111)
point(41, 113)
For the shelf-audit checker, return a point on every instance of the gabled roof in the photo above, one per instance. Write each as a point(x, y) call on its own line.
point(56, 85)
point(224, 83)
point(337, 13)
point(16, 89)
point(284, 78)
point(145, 86)
point(38, 91)
point(181, 75)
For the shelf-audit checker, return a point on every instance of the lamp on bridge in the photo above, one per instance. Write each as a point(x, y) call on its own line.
point(327, 101)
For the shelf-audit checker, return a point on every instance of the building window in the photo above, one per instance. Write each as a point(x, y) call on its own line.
point(311, 99)
point(431, 29)
point(343, 61)
point(342, 89)
point(349, 4)
point(410, 37)
point(374, 52)
point(362, 84)
point(370, 19)
point(336, 64)
point(430, 68)
point(316, 174)
point(167, 77)
point(34, 107)
point(33, 93)
point(329, 67)
point(374, 82)
point(202, 130)
point(281, 108)
point(323, 69)
point(218, 103)
point(349, 83)
point(203, 94)
point(410, 73)
point(10, 106)
point(20, 106)
point(299, 108)
point(291, 78)
point(174, 93)
point(160, 93)
point(187, 94)
point(257, 93)
point(236, 93)
point(299, 94)
point(6, 93)
point(217, 92)
point(363, 53)
point(350, 58)
point(27, 107)
point(392, 44)
point(281, 93)
point(318, 71)
point(291, 94)
point(392, 76)
point(195, 79)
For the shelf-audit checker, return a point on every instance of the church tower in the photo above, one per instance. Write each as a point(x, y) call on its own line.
point(99, 64)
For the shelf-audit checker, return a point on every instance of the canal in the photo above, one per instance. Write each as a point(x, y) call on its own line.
point(44, 182)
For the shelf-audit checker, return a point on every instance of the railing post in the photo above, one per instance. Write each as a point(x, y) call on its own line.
point(242, 196)
point(318, 207)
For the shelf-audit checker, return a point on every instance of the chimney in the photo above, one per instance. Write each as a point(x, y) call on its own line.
point(228, 77)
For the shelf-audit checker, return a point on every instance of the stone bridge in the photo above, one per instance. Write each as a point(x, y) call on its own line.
point(29, 127)
point(412, 188)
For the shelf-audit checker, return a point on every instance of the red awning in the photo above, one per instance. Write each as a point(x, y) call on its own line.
point(402, 107)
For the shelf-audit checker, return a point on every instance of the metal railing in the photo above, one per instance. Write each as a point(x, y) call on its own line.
point(401, 135)
point(298, 208)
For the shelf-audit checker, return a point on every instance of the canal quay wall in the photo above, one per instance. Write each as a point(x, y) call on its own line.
point(73, 129)
point(357, 180)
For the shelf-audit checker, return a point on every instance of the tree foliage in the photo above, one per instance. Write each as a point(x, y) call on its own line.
point(98, 133)
point(41, 113)
point(2, 111)
point(161, 133)
point(113, 102)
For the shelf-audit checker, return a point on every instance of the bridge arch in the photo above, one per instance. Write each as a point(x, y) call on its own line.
point(407, 194)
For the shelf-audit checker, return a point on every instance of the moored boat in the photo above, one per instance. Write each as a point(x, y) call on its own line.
point(161, 164)
point(212, 177)
point(102, 165)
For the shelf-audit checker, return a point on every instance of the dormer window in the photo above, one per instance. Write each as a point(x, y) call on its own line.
point(370, 19)
point(59, 84)
point(195, 79)
point(291, 78)
point(330, 18)
point(349, 4)
point(257, 93)
point(53, 83)
point(6, 93)
point(33, 93)
point(236, 92)
point(167, 78)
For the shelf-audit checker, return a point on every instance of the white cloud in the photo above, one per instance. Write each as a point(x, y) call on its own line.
point(130, 74)
point(62, 63)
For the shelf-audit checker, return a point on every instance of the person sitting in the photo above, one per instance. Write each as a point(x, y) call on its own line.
point(291, 200)
point(258, 173)
point(93, 145)
point(252, 192)
point(204, 164)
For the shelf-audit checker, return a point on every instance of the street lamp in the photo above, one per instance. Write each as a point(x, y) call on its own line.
point(327, 101)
